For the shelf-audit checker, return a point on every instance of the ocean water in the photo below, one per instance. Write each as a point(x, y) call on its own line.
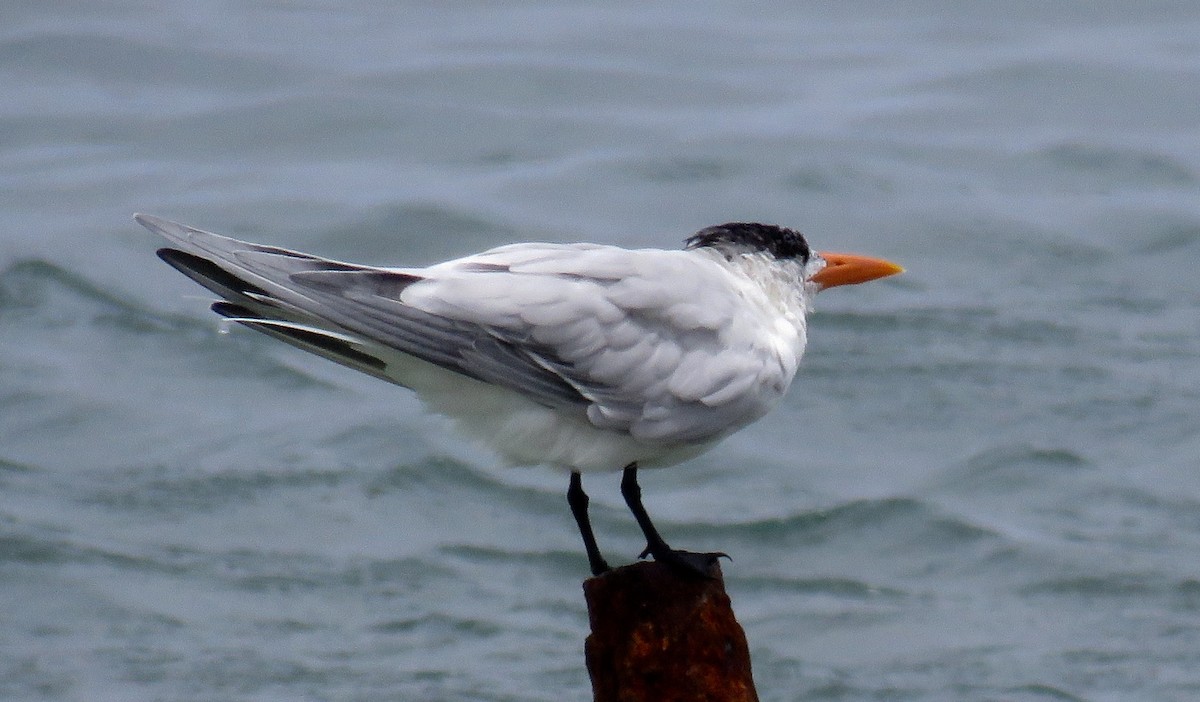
point(984, 484)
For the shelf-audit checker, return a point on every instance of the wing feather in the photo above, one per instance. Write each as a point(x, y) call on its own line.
point(662, 343)
point(668, 346)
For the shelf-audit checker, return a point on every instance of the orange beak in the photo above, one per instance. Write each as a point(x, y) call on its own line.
point(849, 269)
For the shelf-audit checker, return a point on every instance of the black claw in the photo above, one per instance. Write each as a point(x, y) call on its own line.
point(686, 562)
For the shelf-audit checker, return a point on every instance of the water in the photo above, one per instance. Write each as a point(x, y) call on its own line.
point(983, 485)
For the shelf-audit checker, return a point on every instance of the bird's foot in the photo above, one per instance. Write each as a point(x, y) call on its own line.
point(685, 562)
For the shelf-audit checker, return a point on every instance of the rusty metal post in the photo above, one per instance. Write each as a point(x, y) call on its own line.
point(661, 636)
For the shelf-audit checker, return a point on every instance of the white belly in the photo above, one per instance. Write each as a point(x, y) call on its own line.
point(523, 432)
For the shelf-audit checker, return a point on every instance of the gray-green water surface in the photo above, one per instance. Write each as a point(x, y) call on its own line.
point(984, 485)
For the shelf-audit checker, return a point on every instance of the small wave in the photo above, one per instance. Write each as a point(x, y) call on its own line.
point(1165, 590)
point(122, 59)
point(1013, 467)
point(1187, 594)
point(900, 515)
point(1170, 236)
point(26, 282)
point(839, 179)
point(56, 296)
point(554, 559)
point(276, 572)
point(914, 320)
point(443, 475)
point(957, 322)
point(7, 466)
point(46, 295)
point(439, 625)
point(530, 87)
point(153, 490)
point(843, 588)
point(1042, 691)
point(32, 549)
point(1111, 585)
point(683, 169)
point(1115, 166)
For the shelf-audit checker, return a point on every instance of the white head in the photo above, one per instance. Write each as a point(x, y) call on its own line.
point(815, 270)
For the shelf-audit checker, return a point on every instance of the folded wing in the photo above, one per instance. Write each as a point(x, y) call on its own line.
point(644, 342)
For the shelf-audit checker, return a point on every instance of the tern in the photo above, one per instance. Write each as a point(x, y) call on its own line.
point(580, 356)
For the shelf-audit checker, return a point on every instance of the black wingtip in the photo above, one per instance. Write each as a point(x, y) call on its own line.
point(231, 309)
point(182, 260)
point(206, 272)
point(312, 340)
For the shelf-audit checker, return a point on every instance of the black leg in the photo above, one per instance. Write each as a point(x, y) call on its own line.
point(578, 500)
point(684, 561)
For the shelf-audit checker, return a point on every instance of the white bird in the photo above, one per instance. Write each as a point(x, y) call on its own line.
point(581, 356)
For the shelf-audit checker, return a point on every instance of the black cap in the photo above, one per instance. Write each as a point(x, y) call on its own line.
point(780, 242)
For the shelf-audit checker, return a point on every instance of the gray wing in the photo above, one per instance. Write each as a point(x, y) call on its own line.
point(665, 345)
point(669, 346)
point(358, 321)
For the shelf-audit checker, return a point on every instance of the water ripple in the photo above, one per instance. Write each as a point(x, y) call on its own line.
point(1007, 468)
point(36, 288)
point(907, 516)
point(154, 490)
point(124, 60)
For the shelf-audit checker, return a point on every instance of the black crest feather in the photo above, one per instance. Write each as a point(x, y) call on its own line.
point(780, 242)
